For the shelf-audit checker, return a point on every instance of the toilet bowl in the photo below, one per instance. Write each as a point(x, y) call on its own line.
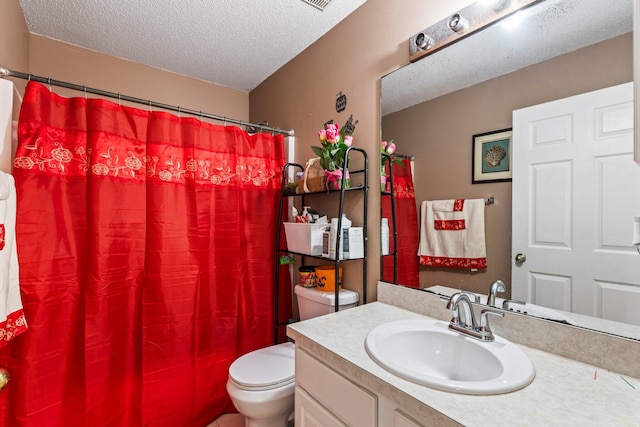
point(261, 384)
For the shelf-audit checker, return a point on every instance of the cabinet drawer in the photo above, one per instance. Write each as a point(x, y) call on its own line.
point(310, 413)
point(352, 404)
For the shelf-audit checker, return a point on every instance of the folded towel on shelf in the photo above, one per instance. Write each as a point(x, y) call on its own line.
point(452, 234)
point(12, 320)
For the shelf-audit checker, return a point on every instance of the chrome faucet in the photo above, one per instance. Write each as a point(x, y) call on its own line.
point(497, 286)
point(469, 326)
point(454, 305)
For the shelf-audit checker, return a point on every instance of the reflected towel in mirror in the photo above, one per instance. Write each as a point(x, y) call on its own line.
point(452, 234)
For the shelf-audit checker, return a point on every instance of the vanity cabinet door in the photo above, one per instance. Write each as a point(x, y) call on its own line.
point(309, 413)
point(352, 404)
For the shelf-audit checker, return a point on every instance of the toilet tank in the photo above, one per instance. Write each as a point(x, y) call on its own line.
point(313, 302)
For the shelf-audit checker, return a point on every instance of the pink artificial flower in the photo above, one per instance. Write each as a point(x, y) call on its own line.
point(322, 135)
point(391, 148)
point(384, 145)
point(348, 140)
point(332, 134)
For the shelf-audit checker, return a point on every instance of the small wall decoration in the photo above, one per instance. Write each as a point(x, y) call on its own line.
point(349, 127)
point(341, 102)
point(492, 157)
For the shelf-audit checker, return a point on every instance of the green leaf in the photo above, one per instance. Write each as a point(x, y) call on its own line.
point(317, 151)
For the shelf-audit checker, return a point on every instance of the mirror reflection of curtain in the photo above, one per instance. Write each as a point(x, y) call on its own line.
point(146, 244)
point(407, 228)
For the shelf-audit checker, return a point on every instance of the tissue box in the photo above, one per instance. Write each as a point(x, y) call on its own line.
point(304, 238)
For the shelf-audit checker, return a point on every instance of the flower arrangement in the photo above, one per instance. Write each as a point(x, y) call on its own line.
point(334, 143)
point(386, 150)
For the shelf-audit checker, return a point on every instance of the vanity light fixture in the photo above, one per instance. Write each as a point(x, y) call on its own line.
point(466, 21)
point(457, 23)
point(423, 41)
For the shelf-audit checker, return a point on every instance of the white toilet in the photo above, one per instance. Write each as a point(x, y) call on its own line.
point(261, 383)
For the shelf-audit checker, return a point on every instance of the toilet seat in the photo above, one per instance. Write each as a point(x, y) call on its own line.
point(264, 369)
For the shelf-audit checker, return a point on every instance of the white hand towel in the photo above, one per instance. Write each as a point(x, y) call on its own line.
point(452, 234)
point(12, 320)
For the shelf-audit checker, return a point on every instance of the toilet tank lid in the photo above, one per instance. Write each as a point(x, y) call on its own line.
point(266, 368)
point(328, 298)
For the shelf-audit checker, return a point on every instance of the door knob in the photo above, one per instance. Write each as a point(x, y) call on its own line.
point(520, 258)
point(4, 378)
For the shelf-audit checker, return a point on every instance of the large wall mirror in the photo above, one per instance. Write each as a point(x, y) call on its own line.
point(550, 51)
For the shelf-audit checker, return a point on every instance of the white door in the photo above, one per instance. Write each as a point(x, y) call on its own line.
point(576, 190)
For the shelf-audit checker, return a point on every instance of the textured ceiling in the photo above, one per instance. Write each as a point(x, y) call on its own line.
point(234, 43)
point(548, 29)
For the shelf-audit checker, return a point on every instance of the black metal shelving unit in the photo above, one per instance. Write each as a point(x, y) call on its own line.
point(392, 221)
point(361, 178)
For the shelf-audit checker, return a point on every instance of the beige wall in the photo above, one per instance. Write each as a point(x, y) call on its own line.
point(14, 48)
point(62, 61)
point(439, 132)
point(14, 55)
point(351, 59)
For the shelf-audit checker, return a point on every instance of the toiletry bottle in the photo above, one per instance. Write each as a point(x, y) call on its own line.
point(346, 224)
point(384, 236)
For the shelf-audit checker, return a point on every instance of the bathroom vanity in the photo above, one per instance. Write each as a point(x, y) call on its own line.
point(338, 384)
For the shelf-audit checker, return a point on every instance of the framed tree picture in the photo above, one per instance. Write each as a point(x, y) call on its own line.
point(492, 157)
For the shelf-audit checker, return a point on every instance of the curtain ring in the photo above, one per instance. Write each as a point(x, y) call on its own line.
point(178, 111)
point(224, 121)
point(30, 76)
point(49, 83)
point(119, 100)
point(84, 89)
point(201, 116)
point(150, 110)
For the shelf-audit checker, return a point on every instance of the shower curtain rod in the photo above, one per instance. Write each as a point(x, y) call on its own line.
point(4, 72)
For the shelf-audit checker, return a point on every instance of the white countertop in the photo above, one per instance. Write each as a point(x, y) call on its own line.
point(564, 392)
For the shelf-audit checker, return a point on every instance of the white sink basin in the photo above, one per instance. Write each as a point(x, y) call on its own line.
point(426, 352)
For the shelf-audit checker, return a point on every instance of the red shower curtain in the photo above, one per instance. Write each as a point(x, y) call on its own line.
point(146, 251)
point(407, 226)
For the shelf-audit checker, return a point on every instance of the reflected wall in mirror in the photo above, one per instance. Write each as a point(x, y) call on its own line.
point(433, 107)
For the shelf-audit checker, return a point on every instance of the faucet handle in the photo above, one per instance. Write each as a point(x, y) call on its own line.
point(486, 312)
point(485, 329)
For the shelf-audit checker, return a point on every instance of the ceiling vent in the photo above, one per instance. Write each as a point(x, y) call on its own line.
point(320, 4)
